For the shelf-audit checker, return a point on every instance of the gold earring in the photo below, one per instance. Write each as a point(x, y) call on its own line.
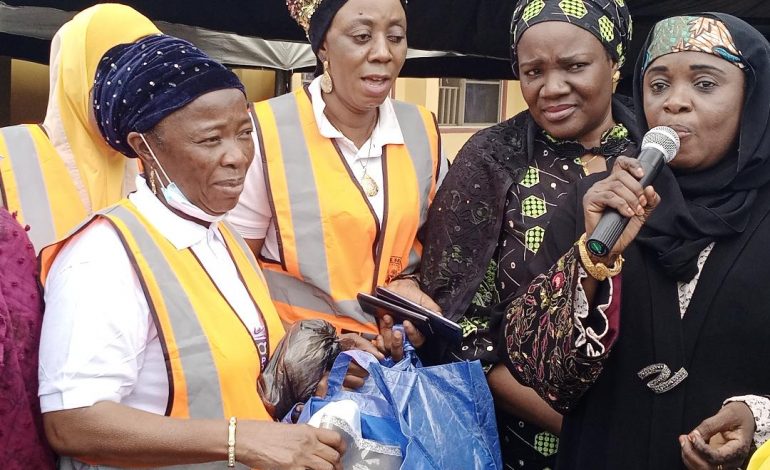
point(326, 79)
point(153, 175)
point(616, 76)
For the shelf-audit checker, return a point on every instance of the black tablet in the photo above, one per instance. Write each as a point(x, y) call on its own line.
point(427, 322)
point(440, 325)
point(379, 307)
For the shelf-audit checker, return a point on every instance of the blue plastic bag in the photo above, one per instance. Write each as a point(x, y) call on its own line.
point(442, 417)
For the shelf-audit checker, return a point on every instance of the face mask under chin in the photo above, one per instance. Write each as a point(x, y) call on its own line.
point(176, 198)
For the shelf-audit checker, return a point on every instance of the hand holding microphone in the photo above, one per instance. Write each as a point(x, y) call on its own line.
point(616, 207)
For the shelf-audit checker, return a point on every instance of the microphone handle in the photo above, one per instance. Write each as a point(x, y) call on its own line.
point(652, 162)
point(606, 233)
point(612, 224)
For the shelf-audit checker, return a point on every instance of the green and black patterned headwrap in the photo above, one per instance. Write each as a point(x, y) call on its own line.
point(608, 20)
point(692, 33)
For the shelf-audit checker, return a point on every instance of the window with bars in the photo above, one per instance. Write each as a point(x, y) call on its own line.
point(307, 77)
point(465, 102)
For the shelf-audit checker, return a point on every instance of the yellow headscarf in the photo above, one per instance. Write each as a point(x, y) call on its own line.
point(99, 172)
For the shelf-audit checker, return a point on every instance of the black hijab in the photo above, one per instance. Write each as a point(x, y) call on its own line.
point(703, 207)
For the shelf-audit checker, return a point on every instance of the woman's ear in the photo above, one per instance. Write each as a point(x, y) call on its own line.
point(141, 149)
point(323, 51)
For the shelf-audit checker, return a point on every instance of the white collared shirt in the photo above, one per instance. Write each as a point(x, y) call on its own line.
point(253, 217)
point(99, 341)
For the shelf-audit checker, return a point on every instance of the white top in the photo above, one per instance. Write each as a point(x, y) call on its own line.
point(687, 289)
point(99, 341)
point(253, 216)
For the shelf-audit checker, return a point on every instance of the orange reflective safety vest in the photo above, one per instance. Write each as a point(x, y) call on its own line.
point(331, 244)
point(212, 359)
point(35, 184)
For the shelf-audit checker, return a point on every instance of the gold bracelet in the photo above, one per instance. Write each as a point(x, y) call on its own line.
point(598, 271)
point(231, 442)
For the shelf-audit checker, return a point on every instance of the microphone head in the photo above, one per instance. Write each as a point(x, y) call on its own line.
point(664, 139)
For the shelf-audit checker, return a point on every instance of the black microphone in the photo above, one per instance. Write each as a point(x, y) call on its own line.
point(659, 146)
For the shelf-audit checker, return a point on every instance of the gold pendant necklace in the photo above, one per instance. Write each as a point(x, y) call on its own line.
point(370, 187)
point(585, 163)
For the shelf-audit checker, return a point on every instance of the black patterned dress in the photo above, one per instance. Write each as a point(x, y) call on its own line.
point(529, 205)
point(538, 183)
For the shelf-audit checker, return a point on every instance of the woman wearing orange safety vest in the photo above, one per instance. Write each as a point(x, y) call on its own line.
point(344, 175)
point(158, 320)
point(53, 175)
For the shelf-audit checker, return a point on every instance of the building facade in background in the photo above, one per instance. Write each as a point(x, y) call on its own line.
point(462, 106)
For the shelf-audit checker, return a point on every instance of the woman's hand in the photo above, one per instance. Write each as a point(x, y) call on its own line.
point(356, 375)
point(721, 442)
point(522, 401)
point(388, 343)
point(391, 342)
point(620, 191)
point(409, 288)
point(270, 445)
point(114, 435)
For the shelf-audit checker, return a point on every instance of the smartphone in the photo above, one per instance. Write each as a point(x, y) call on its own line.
point(389, 295)
point(439, 324)
point(379, 307)
point(400, 310)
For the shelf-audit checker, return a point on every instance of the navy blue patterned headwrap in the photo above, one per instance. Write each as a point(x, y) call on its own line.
point(139, 84)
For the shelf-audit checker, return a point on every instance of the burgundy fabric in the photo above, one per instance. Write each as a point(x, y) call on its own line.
point(22, 442)
point(613, 313)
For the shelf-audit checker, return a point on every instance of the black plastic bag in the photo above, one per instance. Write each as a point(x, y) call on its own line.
point(303, 356)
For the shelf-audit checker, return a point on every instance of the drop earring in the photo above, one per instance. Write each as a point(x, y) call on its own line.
point(153, 187)
point(326, 79)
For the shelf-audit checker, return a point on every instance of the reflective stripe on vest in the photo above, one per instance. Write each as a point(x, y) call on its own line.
point(288, 289)
point(36, 185)
point(410, 120)
point(205, 381)
point(66, 463)
point(206, 400)
point(331, 244)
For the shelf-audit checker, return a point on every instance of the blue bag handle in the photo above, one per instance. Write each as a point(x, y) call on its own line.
point(364, 359)
point(370, 401)
point(334, 380)
point(340, 368)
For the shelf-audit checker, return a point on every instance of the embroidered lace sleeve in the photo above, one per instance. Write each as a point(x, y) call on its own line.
point(597, 329)
point(464, 218)
point(760, 408)
point(553, 344)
